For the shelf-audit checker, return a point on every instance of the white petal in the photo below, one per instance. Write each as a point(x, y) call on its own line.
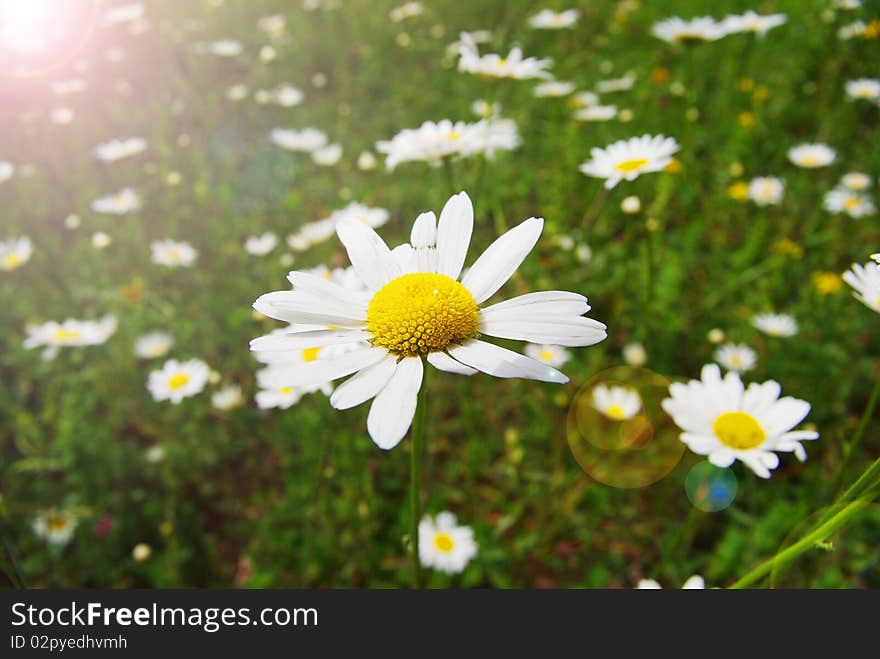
point(504, 363)
point(424, 231)
point(454, 235)
point(368, 253)
point(364, 385)
point(551, 303)
point(324, 370)
point(392, 411)
point(301, 340)
point(562, 331)
point(501, 259)
point(306, 282)
point(293, 307)
point(722, 457)
point(406, 257)
point(443, 362)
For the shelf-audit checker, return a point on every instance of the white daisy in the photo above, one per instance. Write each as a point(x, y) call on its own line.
point(696, 30)
point(124, 201)
point(553, 88)
point(857, 181)
point(307, 139)
point(55, 526)
point(327, 156)
point(227, 398)
point(173, 253)
point(596, 113)
point(847, 4)
point(627, 159)
point(118, 149)
point(547, 19)
point(726, 422)
point(775, 324)
point(261, 245)
point(616, 402)
point(405, 11)
point(62, 116)
point(415, 307)
point(101, 240)
point(621, 84)
point(752, 22)
point(865, 280)
point(15, 252)
point(495, 66)
point(322, 230)
point(177, 380)
point(69, 86)
point(866, 89)
point(366, 161)
point(69, 333)
point(635, 354)
point(273, 25)
point(236, 92)
point(7, 169)
point(584, 99)
point(551, 355)
point(444, 545)
point(631, 205)
point(694, 582)
point(736, 357)
point(287, 96)
point(811, 156)
point(854, 204)
point(225, 48)
point(153, 344)
point(766, 190)
point(852, 30)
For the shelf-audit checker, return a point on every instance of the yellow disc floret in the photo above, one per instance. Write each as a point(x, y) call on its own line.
point(738, 430)
point(631, 165)
point(444, 542)
point(178, 380)
point(420, 313)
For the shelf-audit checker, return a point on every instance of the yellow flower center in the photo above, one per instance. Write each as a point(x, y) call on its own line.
point(421, 312)
point(546, 356)
point(453, 136)
point(631, 165)
point(11, 261)
point(809, 160)
point(738, 430)
point(736, 360)
point(444, 542)
point(615, 412)
point(57, 523)
point(850, 203)
point(178, 380)
point(310, 354)
point(286, 390)
point(501, 62)
point(62, 334)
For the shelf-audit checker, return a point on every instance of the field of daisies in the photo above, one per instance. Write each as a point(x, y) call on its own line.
point(349, 293)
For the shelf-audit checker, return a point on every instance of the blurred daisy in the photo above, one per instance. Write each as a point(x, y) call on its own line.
point(273, 25)
point(736, 357)
point(415, 307)
point(854, 204)
point(287, 96)
point(616, 402)
point(621, 84)
point(70, 333)
point(547, 19)
point(444, 545)
point(696, 30)
point(225, 48)
point(307, 139)
point(596, 113)
point(852, 30)
point(173, 253)
point(775, 324)
point(551, 355)
point(141, 552)
point(627, 159)
point(635, 354)
point(766, 190)
point(327, 156)
point(846, 4)
point(553, 88)
point(101, 240)
point(694, 582)
point(227, 398)
point(752, 22)
point(812, 155)
point(865, 281)
point(118, 149)
point(261, 245)
point(405, 11)
point(153, 344)
point(366, 161)
point(7, 169)
point(177, 380)
point(631, 205)
point(62, 116)
point(856, 181)
point(15, 252)
point(69, 86)
point(584, 99)
point(267, 54)
point(236, 92)
point(124, 201)
point(495, 66)
point(866, 89)
point(55, 526)
point(726, 422)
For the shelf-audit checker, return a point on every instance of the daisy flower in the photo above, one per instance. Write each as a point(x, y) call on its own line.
point(635, 354)
point(69, 333)
point(55, 526)
point(118, 149)
point(417, 307)
point(726, 422)
point(495, 66)
point(62, 116)
point(327, 156)
point(596, 113)
point(811, 156)
point(261, 245)
point(584, 99)
point(69, 86)
point(616, 402)
point(153, 344)
point(865, 281)
point(867, 89)
point(752, 22)
point(366, 161)
point(177, 380)
point(854, 204)
point(225, 48)
point(313, 233)
point(775, 324)
point(553, 88)
point(15, 252)
point(405, 11)
point(627, 159)
point(696, 30)
point(621, 84)
point(7, 169)
point(551, 355)
point(694, 582)
point(547, 19)
point(173, 254)
point(857, 181)
point(124, 201)
point(736, 357)
point(307, 139)
point(766, 190)
point(273, 25)
point(227, 398)
point(288, 96)
point(444, 545)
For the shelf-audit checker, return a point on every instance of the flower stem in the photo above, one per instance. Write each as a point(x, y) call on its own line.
point(853, 444)
point(415, 484)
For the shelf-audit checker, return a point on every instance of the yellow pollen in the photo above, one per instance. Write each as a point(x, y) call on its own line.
point(615, 412)
point(850, 203)
point(62, 334)
point(738, 430)
point(444, 542)
point(11, 261)
point(453, 136)
point(631, 165)
point(178, 380)
point(57, 523)
point(809, 161)
point(420, 313)
point(310, 354)
point(502, 61)
point(546, 355)
point(736, 360)
point(286, 390)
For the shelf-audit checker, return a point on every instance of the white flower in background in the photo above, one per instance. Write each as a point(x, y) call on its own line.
point(715, 335)
point(694, 582)
point(405, 11)
point(736, 357)
point(141, 552)
point(865, 281)
point(627, 159)
point(177, 380)
point(273, 25)
point(322, 230)
point(621, 84)
point(495, 66)
point(70, 86)
point(726, 422)
point(227, 398)
point(635, 354)
point(547, 19)
point(696, 30)
point(236, 92)
point(7, 169)
point(552, 355)
point(852, 30)
point(69, 333)
point(752, 22)
point(261, 245)
point(553, 88)
point(776, 324)
point(310, 234)
point(62, 116)
point(866, 89)
point(482, 108)
point(288, 96)
point(268, 54)
point(15, 252)
point(173, 253)
point(307, 139)
point(118, 149)
point(153, 344)
point(327, 156)
point(101, 240)
point(55, 526)
point(585, 99)
point(846, 4)
point(631, 205)
point(225, 48)
point(126, 13)
point(766, 190)
point(124, 201)
point(373, 217)
point(857, 181)
point(366, 161)
point(616, 402)
point(415, 307)
point(811, 156)
point(854, 204)
point(444, 545)
point(596, 113)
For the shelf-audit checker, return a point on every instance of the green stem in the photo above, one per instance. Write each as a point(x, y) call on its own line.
point(853, 443)
point(415, 484)
point(867, 480)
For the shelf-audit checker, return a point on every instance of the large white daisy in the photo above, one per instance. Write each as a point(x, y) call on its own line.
point(865, 281)
point(417, 307)
point(445, 545)
point(626, 159)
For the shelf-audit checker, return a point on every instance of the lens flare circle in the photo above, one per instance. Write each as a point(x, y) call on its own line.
point(710, 488)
